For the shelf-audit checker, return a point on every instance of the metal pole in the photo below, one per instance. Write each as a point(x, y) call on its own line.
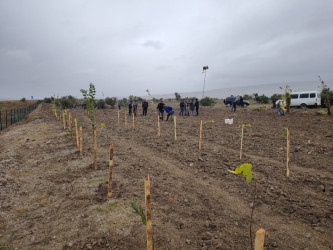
point(6, 119)
point(203, 90)
point(11, 117)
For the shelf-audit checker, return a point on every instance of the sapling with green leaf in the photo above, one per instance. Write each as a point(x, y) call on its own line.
point(246, 171)
point(89, 99)
point(326, 96)
point(138, 210)
point(151, 99)
point(287, 96)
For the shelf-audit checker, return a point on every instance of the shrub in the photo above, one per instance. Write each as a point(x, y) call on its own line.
point(327, 98)
point(177, 95)
point(67, 102)
point(247, 97)
point(47, 100)
point(207, 101)
point(111, 101)
point(100, 104)
point(23, 100)
point(261, 99)
point(276, 97)
point(124, 102)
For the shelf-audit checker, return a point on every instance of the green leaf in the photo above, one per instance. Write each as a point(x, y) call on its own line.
point(246, 168)
point(238, 170)
point(102, 124)
point(249, 177)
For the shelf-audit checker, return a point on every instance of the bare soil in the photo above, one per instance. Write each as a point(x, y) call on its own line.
point(51, 198)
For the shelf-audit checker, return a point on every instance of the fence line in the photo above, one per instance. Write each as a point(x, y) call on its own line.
point(9, 117)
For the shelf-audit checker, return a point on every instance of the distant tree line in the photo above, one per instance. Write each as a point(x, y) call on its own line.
point(71, 102)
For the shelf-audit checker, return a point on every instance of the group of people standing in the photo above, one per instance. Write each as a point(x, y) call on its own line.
point(133, 107)
point(188, 107)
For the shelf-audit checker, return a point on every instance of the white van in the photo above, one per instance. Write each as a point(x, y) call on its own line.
point(304, 99)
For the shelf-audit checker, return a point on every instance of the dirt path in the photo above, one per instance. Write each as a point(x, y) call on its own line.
point(51, 198)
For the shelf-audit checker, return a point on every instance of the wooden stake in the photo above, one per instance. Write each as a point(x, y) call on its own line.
point(77, 134)
point(118, 117)
point(81, 141)
point(133, 122)
point(95, 148)
point(63, 119)
point(69, 121)
point(241, 146)
point(148, 214)
point(175, 124)
point(288, 152)
point(110, 171)
point(200, 135)
point(71, 126)
point(158, 126)
point(259, 241)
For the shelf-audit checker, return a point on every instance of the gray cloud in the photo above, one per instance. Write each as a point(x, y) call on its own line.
point(153, 44)
point(58, 47)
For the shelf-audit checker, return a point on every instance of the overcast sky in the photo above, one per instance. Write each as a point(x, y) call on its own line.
point(124, 47)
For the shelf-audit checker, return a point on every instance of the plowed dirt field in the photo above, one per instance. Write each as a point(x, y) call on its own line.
point(52, 198)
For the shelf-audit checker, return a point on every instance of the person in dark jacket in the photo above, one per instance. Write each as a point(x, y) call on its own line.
point(234, 104)
point(160, 108)
point(135, 107)
point(144, 107)
point(119, 105)
point(191, 107)
point(241, 102)
point(182, 107)
point(169, 111)
point(196, 106)
point(130, 107)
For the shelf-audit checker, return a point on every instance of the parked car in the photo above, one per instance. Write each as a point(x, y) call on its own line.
point(228, 101)
point(303, 99)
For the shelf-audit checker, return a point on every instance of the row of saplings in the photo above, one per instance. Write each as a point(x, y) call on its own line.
point(243, 170)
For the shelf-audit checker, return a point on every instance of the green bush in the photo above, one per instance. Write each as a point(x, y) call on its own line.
point(276, 97)
point(23, 100)
point(207, 101)
point(100, 104)
point(124, 102)
point(247, 97)
point(47, 100)
point(67, 102)
point(261, 99)
point(111, 101)
point(326, 98)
